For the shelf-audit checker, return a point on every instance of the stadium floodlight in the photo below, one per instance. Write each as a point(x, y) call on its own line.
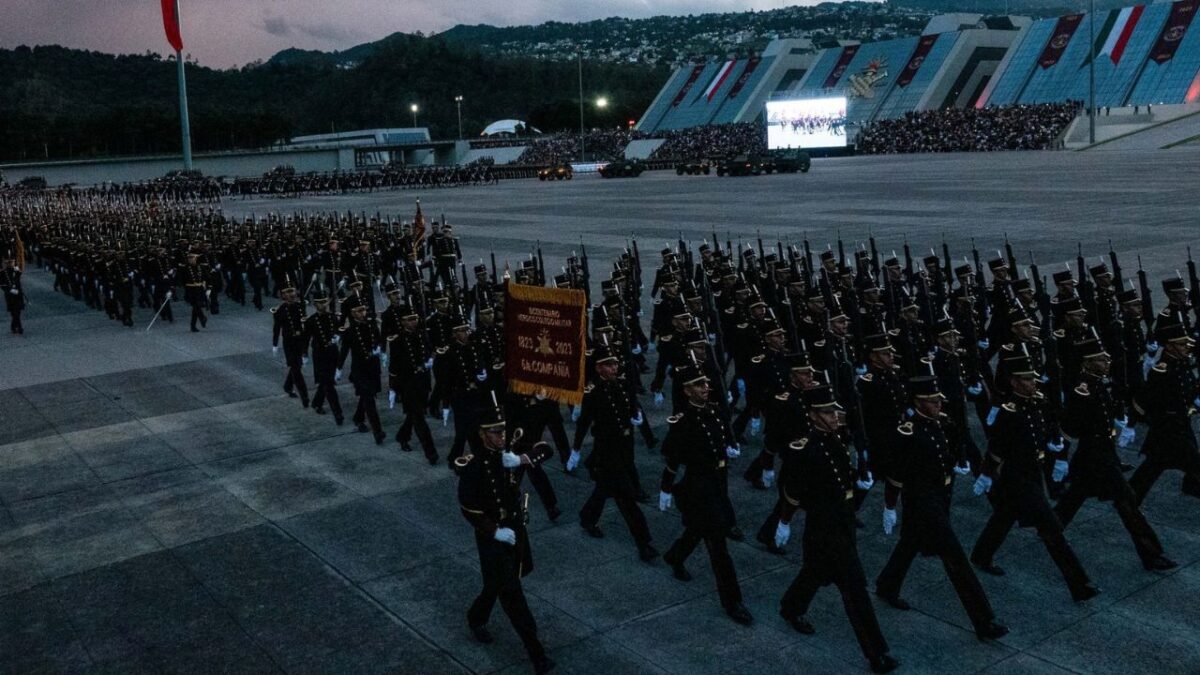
point(602, 102)
point(414, 108)
point(458, 102)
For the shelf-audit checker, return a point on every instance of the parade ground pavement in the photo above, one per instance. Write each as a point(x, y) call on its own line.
point(165, 507)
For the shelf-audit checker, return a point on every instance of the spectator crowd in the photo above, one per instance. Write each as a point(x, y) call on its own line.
point(1014, 127)
point(714, 140)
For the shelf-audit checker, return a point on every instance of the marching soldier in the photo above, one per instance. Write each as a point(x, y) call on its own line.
point(884, 401)
point(489, 498)
point(195, 289)
point(461, 380)
point(360, 337)
point(409, 378)
point(321, 329)
point(14, 295)
point(823, 485)
point(1092, 420)
point(697, 451)
point(610, 412)
point(922, 476)
point(1167, 403)
point(289, 324)
point(1013, 476)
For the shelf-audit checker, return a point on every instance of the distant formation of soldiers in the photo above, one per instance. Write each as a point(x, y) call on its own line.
point(856, 371)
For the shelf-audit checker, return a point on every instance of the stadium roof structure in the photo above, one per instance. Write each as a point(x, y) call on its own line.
point(509, 127)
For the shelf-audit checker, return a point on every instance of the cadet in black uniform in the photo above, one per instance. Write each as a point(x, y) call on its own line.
point(1092, 420)
point(289, 325)
point(321, 329)
point(823, 485)
point(1166, 403)
point(14, 295)
point(461, 379)
point(360, 336)
point(408, 378)
point(697, 451)
point(611, 412)
point(1013, 476)
point(195, 290)
point(489, 497)
point(922, 477)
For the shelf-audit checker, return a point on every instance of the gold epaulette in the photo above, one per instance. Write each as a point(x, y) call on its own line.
point(1160, 368)
point(894, 332)
point(905, 429)
point(1010, 407)
point(1082, 389)
point(782, 397)
point(441, 350)
point(589, 352)
point(1060, 333)
point(1008, 347)
point(867, 377)
point(740, 326)
point(273, 310)
point(674, 418)
point(819, 343)
point(665, 338)
point(798, 444)
point(463, 460)
point(758, 359)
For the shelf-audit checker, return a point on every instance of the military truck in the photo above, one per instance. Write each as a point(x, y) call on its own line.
point(561, 171)
point(693, 167)
point(624, 168)
point(739, 165)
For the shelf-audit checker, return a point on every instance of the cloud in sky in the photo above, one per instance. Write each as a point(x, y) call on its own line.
point(224, 33)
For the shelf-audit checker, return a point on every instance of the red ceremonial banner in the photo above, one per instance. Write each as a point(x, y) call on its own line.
point(741, 81)
point(1059, 39)
point(544, 330)
point(687, 86)
point(1173, 30)
point(840, 67)
point(914, 62)
point(171, 24)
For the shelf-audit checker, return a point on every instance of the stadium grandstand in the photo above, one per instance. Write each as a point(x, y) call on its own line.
point(1146, 55)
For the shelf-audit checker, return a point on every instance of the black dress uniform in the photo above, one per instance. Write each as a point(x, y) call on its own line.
point(608, 410)
point(1016, 452)
point(1167, 403)
point(289, 325)
point(321, 329)
point(528, 413)
point(362, 339)
point(489, 498)
point(1090, 419)
point(409, 377)
point(459, 369)
point(922, 478)
point(884, 401)
point(823, 485)
point(14, 297)
point(195, 291)
point(697, 478)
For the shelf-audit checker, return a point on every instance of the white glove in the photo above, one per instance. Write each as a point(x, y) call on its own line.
point(983, 485)
point(1126, 437)
point(1151, 348)
point(755, 426)
point(337, 339)
point(1196, 402)
point(1054, 447)
point(861, 370)
point(509, 460)
point(384, 358)
point(768, 477)
point(729, 398)
point(889, 520)
point(482, 376)
point(14, 291)
point(741, 385)
point(637, 349)
point(217, 266)
point(865, 483)
point(337, 375)
point(445, 416)
point(573, 461)
point(304, 360)
point(391, 400)
point(658, 399)
point(1120, 423)
point(962, 469)
point(983, 344)
point(131, 273)
point(275, 350)
point(428, 363)
point(1060, 470)
point(975, 389)
point(665, 500)
point(783, 532)
point(732, 452)
point(575, 413)
point(637, 421)
point(712, 338)
point(376, 352)
point(505, 535)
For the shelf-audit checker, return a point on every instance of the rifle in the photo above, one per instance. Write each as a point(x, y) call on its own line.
point(710, 305)
point(874, 255)
point(808, 260)
point(1087, 291)
point(1012, 259)
point(541, 266)
point(1144, 287)
point(908, 264)
point(841, 248)
point(761, 251)
point(587, 275)
point(637, 267)
point(494, 278)
point(1118, 280)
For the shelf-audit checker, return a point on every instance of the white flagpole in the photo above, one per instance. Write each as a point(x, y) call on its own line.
point(183, 106)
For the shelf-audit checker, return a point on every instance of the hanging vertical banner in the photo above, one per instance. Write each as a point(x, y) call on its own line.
point(687, 86)
point(1059, 39)
point(718, 80)
point(171, 25)
point(1114, 47)
point(544, 332)
point(840, 67)
point(914, 62)
point(1173, 30)
point(741, 81)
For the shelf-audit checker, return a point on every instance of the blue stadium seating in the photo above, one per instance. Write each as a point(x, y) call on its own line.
point(904, 99)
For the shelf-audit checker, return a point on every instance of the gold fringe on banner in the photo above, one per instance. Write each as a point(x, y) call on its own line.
point(563, 297)
point(568, 396)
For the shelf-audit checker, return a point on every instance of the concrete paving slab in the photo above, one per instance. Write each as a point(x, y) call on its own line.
point(36, 636)
point(185, 505)
point(275, 485)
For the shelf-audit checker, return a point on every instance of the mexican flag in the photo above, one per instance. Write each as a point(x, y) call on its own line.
point(1115, 33)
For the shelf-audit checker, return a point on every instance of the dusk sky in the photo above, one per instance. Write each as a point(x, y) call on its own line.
point(223, 33)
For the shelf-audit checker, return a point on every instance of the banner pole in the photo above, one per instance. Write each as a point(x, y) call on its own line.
point(184, 124)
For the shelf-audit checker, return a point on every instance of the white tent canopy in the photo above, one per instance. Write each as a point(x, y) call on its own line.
point(503, 127)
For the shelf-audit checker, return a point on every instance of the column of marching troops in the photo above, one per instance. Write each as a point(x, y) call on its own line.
point(856, 372)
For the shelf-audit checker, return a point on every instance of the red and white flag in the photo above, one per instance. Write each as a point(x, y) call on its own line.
point(1118, 37)
point(171, 24)
point(717, 81)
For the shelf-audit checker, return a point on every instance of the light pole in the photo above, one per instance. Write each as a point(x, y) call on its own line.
point(1092, 74)
point(458, 102)
point(582, 149)
point(414, 110)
